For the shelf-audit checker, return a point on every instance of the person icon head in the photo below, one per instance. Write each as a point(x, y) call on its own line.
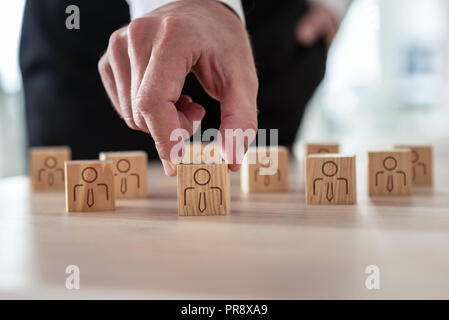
point(50, 162)
point(201, 176)
point(390, 163)
point(89, 175)
point(123, 165)
point(329, 168)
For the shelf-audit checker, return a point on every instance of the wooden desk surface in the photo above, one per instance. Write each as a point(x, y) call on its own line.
point(271, 246)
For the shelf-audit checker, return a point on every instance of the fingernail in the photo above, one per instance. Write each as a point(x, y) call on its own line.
point(169, 168)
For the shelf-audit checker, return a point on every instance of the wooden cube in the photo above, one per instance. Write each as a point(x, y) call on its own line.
point(47, 167)
point(130, 173)
point(203, 189)
point(331, 179)
point(422, 164)
point(197, 152)
point(264, 171)
point(314, 148)
point(89, 185)
point(390, 172)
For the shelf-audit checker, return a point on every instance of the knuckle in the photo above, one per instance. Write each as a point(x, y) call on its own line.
point(136, 26)
point(174, 29)
point(172, 22)
point(136, 29)
point(116, 40)
point(145, 104)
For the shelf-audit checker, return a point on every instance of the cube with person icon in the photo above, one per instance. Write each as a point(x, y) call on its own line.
point(203, 189)
point(331, 179)
point(130, 173)
point(265, 169)
point(47, 167)
point(390, 172)
point(322, 147)
point(422, 163)
point(89, 185)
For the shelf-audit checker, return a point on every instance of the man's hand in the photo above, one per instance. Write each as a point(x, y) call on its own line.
point(318, 22)
point(147, 61)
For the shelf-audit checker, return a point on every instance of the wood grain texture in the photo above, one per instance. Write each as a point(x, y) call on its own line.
point(422, 163)
point(203, 189)
point(331, 179)
point(265, 171)
point(315, 148)
point(130, 172)
point(47, 167)
point(389, 172)
point(197, 152)
point(89, 185)
point(271, 246)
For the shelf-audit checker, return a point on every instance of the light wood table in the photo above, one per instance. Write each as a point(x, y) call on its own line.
point(271, 246)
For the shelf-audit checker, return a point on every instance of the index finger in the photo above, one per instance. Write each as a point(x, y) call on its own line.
point(155, 100)
point(238, 126)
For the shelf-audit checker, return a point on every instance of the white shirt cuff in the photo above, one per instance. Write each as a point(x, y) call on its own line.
point(338, 7)
point(139, 8)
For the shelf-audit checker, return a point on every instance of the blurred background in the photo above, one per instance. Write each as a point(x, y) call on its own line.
point(386, 80)
point(12, 125)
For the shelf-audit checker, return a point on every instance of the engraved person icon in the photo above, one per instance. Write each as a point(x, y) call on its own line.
point(90, 175)
point(329, 169)
point(202, 178)
point(123, 167)
point(390, 164)
point(50, 169)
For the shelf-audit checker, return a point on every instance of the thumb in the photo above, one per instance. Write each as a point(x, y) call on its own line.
point(309, 28)
point(316, 23)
